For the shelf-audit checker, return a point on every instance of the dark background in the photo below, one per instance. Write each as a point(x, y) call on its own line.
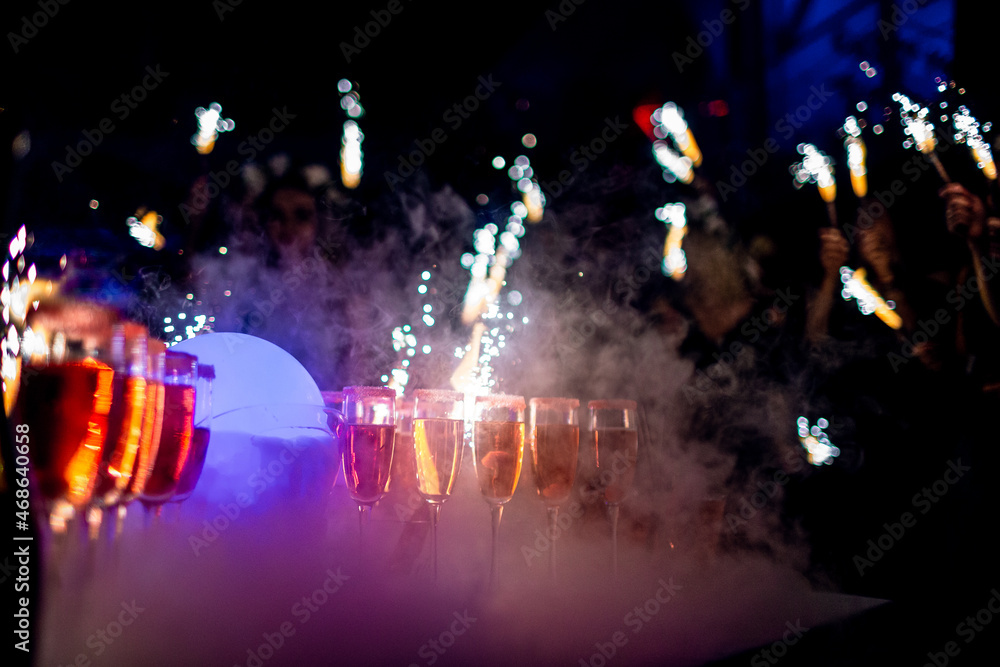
point(573, 65)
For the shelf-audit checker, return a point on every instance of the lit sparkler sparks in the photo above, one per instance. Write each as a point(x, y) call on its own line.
point(669, 119)
point(674, 259)
point(405, 342)
point(144, 228)
point(920, 130)
point(819, 449)
point(351, 155)
point(856, 154)
point(523, 177)
point(177, 328)
point(19, 291)
point(488, 270)
point(856, 286)
point(817, 167)
point(350, 99)
point(676, 167)
point(210, 124)
point(967, 132)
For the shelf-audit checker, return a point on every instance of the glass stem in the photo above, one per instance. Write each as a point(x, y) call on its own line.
point(613, 513)
point(435, 514)
point(363, 519)
point(553, 534)
point(497, 512)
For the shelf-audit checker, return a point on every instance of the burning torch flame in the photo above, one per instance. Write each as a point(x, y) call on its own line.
point(674, 259)
point(856, 286)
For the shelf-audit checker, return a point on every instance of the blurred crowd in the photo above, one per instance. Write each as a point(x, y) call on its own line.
point(725, 361)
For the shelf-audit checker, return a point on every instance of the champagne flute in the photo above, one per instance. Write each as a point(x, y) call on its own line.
point(179, 381)
point(152, 425)
point(130, 360)
point(555, 444)
point(334, 400)
point(499, 447)
point(366, 448)
point(64, 399)
point(402, 486)
point(438, 440)
point(616, 445)
point(200, 436)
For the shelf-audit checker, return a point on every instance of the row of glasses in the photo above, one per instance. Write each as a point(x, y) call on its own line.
point(438, 426)
point(110, 412)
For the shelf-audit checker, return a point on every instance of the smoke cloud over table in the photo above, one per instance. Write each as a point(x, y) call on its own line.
point(264, 565)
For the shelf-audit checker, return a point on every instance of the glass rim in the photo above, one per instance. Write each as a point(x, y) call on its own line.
point(612, 404)
point(439, 395)
point(510, 401)
point(363, 391)
point(555, 402)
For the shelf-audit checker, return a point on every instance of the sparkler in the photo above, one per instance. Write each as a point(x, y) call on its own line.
point(674, 259)
point(817, 444)
point(967, 132)
point(19, 291)
point(676, 167)
point(669, 119)
point(488, 270)
point(921, 131)
point(177, 328)
point(351, 155)
point(856, 154)
point(144, 227)
point(522, 175)
point(817, 167)
point(210, 124)
point(856, 286)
